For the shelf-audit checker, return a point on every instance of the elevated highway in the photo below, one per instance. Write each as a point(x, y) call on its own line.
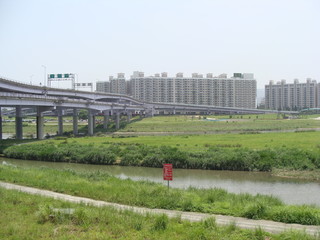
point(20, 95)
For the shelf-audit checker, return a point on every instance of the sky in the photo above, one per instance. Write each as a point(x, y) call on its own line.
point(274, 39)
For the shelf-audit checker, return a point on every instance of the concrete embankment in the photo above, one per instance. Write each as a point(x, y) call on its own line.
point(268, 226)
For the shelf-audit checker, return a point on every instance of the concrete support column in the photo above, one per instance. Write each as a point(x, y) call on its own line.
point(40, 123)
point(19, 133)
point(94, 121)
point(129, 115)
point(140, 114)
point(117, 120)
point(174, 111)
point(105, 119)
point(90, 122)
point(60, 121)
point(0, 124)
point(75, 121)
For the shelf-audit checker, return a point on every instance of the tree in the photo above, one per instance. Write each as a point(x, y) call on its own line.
point(83, 114)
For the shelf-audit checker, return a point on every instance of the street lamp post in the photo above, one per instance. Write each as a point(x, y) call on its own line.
point(76, 79)
point(45, 74)
point(31, 79)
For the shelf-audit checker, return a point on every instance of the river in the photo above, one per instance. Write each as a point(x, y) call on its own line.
point(291, 191)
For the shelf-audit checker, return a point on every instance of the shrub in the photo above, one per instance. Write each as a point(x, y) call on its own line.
point(294, 214)
point(161, 222)
point(214, 158)
point(255, 211)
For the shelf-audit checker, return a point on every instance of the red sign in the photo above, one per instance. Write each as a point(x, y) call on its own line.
point(167, 172)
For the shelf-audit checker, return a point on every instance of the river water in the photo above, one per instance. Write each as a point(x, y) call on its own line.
point(291, 191)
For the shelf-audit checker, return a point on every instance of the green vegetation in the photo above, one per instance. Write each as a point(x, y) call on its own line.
point(34, 217)
point(101, 186)
point(10, 142)
point(308, 141)
point(50, 127)
point(177, 124)
point(130, 154)
point(212, 124)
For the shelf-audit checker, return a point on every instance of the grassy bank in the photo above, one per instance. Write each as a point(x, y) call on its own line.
point(33, 217)
point(4, 144)
point(104, 187)
point(310, 175)
point(303, 140)
point(134, 154)
point(185, 123)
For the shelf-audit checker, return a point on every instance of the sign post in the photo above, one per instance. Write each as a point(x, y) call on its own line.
point(61, 77)
point(167, 172)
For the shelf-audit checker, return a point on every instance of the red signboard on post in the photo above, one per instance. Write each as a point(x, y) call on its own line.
point(167, 172)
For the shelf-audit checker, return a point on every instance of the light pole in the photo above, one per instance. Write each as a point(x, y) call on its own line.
point(45, 74)
point(31, 79)
point(76, 79)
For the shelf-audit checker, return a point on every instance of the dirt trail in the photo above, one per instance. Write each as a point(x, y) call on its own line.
point(268, 226)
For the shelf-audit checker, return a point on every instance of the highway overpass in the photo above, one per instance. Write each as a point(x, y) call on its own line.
point(19, 96)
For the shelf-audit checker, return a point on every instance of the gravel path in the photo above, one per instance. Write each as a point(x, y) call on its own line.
point(268, 226)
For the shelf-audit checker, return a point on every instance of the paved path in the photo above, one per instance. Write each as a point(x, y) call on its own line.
point(268, 226)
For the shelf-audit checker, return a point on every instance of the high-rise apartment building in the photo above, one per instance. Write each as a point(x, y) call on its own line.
point(103, 86)
point(237, 91)
point(292, 96)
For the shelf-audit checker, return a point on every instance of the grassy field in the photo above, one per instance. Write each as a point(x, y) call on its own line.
point(182, 124)
point(209, 124)
point(301, 140)
point(25, 216)
point(102, 186)
point(29, 128)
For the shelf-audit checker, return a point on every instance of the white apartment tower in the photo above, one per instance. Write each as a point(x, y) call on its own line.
point(237, 91)
point(292, 96)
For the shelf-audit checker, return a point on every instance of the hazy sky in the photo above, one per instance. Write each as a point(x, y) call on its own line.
point(274, 39)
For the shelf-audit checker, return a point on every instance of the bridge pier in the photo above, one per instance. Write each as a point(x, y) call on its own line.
point(75, 121)
point(19, 133)
point(94, 125)
point(105, 119)
point(117, 120)
point(129, 116)
point(40, 123)
point(0, 124)
point(90, 122)
point(60, 121)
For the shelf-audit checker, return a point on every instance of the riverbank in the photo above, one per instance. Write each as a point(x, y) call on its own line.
point(214, 157)
point(101, 186)
point(214, 220)
point(313, 175)
point(40, 217)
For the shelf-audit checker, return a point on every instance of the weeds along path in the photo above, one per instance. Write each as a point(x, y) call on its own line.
point(268, 226)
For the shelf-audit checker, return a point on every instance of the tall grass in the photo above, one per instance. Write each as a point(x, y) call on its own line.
point(102, 186)
point(235, 123)
point(32, 217)
point(130, 154)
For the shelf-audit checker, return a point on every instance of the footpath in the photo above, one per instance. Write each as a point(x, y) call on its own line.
point(268, 226)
